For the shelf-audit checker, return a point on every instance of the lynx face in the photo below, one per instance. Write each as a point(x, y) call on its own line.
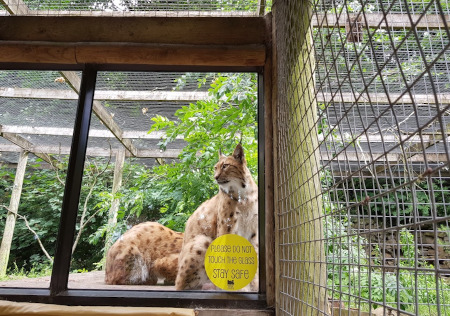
point(231, 174)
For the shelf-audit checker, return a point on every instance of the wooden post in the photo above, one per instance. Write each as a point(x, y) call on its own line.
point(12, 213)
point(301, 266)
point(275, 146)
point(308, 231)
point(269, 171)
point(117, 183)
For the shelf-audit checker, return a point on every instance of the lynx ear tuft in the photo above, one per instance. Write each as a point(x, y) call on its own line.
point(238, 153)
point(220, 153)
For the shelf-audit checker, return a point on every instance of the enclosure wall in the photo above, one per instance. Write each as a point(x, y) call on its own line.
point(362, 182)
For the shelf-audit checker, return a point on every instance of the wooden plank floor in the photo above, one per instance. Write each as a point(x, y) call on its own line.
point(89, 280)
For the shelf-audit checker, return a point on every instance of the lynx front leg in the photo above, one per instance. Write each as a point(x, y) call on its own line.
point(166, 268)
point(191, 264)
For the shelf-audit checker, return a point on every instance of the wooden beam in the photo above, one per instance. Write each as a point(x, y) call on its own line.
point(381, 138)
point(172, 55)
point(60, 131)
point(106, 95)
point(234, 31)
point(38, 93)
point(378, 20)
point(382, 157)
point(378, 98)
point(93, 151)
point(202, 41)
point(132, 54)
point(181, 96)
point(36, 52)
point(10, 223)
point(28, 146)
point(276, 161)
point(100, 111)
point(303, 180)
point(269, 221)
point(173, 154)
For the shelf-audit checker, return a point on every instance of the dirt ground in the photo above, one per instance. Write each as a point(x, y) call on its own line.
point(89, 280)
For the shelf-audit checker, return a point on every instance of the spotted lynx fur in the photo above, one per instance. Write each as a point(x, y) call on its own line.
point(143, 254)
point(234, 210)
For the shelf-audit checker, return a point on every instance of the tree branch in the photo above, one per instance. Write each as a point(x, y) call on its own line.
point(88, 197)
point(31, 230)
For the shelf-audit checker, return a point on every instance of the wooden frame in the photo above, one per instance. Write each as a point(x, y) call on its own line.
point(220, 48)
point(233, 41)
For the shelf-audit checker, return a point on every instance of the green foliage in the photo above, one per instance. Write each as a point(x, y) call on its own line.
point(41, 203)
point(351, 277)
point(36, 271)
point(404, 203)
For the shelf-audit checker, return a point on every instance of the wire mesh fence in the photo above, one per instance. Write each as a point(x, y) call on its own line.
point(363, 157)
point(136, 7)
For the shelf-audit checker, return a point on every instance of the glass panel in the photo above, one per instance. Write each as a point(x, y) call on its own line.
point(37, 112)
point(153, 144)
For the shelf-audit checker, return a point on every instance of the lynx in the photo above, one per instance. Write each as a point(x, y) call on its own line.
point(234, 210)
point(143, 254)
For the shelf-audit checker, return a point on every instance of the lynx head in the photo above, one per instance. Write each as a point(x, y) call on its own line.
point(231, 172)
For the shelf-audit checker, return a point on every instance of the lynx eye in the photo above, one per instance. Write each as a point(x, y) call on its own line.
point(224, 166)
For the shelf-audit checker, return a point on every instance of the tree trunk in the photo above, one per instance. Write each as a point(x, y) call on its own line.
point(117, 183)
point(5, 247)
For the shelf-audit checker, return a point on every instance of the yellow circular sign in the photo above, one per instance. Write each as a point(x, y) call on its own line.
point(231, 262)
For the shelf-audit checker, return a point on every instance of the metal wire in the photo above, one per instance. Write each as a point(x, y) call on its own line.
point(381, 95)
point(136, 7)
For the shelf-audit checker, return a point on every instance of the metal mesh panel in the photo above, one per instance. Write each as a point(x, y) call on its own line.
point(40, 106)
point(363, 182)
point(150, 81)
point(136, 7)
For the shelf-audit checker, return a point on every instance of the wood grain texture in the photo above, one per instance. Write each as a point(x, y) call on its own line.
point(176, 55)
point(269, 172)
point(45, 53)
point(132, 54)
point(162, 30)
point(276, 211)
point(26, 145)
point(112, 95)
point(11, 216)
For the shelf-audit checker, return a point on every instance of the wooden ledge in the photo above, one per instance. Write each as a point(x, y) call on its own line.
point(179, 41)
point(132, 54)
point(169, 30)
